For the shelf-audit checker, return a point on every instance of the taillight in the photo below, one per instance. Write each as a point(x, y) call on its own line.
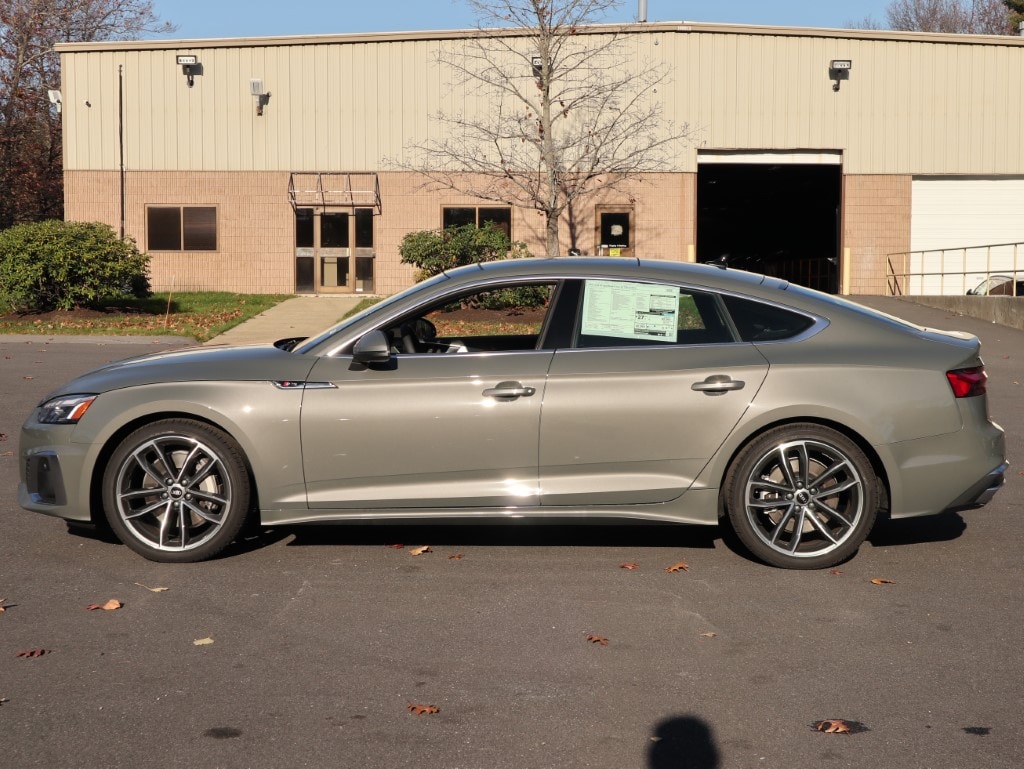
point(967, 382)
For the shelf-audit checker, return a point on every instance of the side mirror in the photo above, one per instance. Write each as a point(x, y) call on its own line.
point(372, 348)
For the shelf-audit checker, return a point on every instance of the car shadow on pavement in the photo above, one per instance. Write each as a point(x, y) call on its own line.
point(510, 534)
point(944, 527)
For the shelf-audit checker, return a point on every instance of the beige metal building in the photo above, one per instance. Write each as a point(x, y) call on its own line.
point(825, 156)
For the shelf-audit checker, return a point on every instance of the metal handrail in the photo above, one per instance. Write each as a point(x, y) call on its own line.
point(894, 287)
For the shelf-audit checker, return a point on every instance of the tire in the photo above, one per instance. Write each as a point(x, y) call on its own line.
point(177, 491)
point(812, 509)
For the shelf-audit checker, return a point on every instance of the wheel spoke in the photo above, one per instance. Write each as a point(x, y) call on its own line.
point(204, 514)
point(138, 513)
point(781, 525)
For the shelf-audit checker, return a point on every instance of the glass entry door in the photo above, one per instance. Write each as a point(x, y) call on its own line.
point(334, 251)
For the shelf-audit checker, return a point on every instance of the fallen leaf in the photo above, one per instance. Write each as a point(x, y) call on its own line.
point(396, 546)
point(111, 605)
point(420, 550)
point(153, 589)
point(597, 639)
point(202, 642)
point(456, 557)
point(708, 635)
point(3, 436)
point(629, 566)
point(836, 571)
point(833, 726)
point(3, 700)
point(882, 581)
point(681, 566)
point(28, 377)
point(420, 710)
point(30, 653)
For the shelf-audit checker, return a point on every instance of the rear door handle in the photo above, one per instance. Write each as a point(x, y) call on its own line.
point(509, 390)
point(718, 384)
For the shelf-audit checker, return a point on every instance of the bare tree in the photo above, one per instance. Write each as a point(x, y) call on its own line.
point(30, 140)
point(571, 112)
point(982, 17)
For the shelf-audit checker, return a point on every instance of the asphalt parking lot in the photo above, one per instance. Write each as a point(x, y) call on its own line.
point(317, 641)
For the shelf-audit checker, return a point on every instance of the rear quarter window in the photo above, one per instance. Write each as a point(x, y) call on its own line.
point(760, 322)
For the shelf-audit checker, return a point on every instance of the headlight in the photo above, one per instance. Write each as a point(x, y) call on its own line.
point(65, 410)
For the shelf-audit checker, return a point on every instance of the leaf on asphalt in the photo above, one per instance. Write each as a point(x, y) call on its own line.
point(456, 557)
point(3, 436)
point(629, 566)
point(3, 605)
point(882, 581)
point(422, 710)
point(153, 589)
point(31, 653)
point(421, 550)
point(28, 377)
point(112, 605)
point(3, 700)
point(833, 726)
point(708, 635)
point(396, 546)
point(836, 571)
point(681, 566)
point(597, 639)
point(202, 642)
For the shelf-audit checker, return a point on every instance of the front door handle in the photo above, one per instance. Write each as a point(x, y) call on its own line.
point(509, 390)
point(718, 384)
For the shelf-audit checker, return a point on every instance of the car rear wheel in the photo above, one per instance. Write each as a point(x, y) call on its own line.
point(177, 491)
point(801, 496)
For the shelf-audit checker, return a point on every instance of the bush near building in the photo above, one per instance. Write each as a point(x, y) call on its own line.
point(55, 265)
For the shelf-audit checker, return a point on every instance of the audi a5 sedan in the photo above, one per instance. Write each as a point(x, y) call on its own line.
point(594, 390)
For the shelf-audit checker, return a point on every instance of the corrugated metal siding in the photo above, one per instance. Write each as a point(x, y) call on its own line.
point(920, 106)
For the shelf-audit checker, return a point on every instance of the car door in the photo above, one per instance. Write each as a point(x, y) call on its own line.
point(430, 429)
point(650, 388)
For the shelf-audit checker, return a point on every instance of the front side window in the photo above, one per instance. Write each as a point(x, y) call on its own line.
point(503, 319)
point(619, 313)
point(181, 228)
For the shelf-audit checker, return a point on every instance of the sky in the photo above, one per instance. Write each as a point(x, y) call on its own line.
point(262, 18)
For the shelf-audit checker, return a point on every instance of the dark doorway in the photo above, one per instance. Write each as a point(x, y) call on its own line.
point(780, 220)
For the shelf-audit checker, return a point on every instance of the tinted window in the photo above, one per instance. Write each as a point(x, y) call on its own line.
point(760, 322)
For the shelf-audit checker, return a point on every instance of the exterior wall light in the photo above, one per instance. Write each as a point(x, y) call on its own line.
point(190, 67)
point(839, 70)
point(262, 97)
point(54, 98)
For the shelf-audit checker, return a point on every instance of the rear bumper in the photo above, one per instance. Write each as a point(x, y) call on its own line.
point(983, 491)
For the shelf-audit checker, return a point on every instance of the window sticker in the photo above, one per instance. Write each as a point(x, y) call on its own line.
point(630, 310)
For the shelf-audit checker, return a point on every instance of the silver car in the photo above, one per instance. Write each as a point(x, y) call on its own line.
point(593, 390)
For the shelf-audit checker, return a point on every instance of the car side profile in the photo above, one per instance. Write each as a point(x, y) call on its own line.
point(569, 389)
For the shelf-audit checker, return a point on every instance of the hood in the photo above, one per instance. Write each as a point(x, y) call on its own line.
point(245, 363)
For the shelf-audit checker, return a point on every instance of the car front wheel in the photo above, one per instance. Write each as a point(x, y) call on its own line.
point(801, 496)
point(176, 491)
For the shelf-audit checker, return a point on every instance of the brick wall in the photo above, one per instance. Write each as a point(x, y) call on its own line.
point(876, 222)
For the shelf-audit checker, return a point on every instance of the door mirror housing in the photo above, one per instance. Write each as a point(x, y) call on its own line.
point(372, 348)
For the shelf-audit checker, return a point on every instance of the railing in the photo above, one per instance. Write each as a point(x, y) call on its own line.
point(947, 271)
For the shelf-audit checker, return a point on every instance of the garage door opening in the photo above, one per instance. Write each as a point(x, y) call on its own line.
point(780, 219)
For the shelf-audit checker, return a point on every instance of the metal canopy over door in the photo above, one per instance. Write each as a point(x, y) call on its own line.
point(334, 231)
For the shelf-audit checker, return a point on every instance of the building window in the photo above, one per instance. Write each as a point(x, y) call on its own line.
point(181, 228)
point(459, 216)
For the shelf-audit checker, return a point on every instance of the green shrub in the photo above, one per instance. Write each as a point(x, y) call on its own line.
point(434, 251)
point(57, 265)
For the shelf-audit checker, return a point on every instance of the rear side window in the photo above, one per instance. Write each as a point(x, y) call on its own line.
point(760, 322)
point(619, 313)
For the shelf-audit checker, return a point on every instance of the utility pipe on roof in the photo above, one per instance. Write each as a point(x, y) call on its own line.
point(641, 14)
